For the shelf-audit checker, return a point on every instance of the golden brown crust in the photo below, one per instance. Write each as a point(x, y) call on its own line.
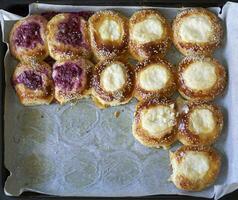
point(188, 136)
point(72, 79)
point(106, 48)
point(40, 49)
point(142, 135)
point(197, 184)
point(195, 48)
point(141, 51)
point(33, 83)
point(204, 95)
point(166, 91)
point(76, 41)
point(103, 98)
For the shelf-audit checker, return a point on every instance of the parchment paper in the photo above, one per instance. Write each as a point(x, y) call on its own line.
point(79, 150)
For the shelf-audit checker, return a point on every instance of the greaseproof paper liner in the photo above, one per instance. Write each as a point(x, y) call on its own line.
point(79, 150)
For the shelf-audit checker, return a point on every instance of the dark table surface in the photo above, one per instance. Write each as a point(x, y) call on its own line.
point(20, 7)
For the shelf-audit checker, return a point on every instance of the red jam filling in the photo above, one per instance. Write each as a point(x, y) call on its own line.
point(68, 75)
point(70, 31)
point(30, 79)
point(28, 35)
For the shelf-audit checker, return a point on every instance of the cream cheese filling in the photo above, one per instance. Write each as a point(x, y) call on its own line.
point(110, 30)
point(113, 77)
point(201, 121)
point(195, 29)
point(200, 75)
point(194, 165)
point(157, 120)
point(147, 30)
point(154, 77)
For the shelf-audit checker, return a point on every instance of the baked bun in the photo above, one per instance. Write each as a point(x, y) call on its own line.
point(200, 124)
point(155, 122)
point(109, 34)
point(197, 31)
point(28, 39)
point(68, 37)
point(154, 77)
point(33, 83)
point(72, 79)
point(201, 78)
point(150, 34)
point(194, 167)
point(113, 83)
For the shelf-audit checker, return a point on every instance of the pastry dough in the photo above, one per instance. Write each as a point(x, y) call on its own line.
point(197, 31)
point(194, 167)
point(109, 34)
point(150, 34)
point(112, 83)
point(154, 77)
point(33, 83)
point(28, 39)
point(68, 38)
point(72, 79)
point(200, 124)
point(201, 78)
point(155, 122)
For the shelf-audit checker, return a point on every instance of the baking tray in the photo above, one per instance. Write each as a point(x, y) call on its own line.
point(21, 8)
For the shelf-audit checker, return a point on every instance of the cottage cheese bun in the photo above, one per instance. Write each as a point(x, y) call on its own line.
point(155, 122)
point(194, 167)
point(154, 77)
point(109, 34)
point(150, 34)
point(200, 124)
point(201, 78)
point(197, 31)
point(112, 83)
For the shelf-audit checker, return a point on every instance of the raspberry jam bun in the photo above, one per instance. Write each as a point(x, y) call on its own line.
point(71, 79)
point(68, 38)
point(28, 39)
point(33, 83)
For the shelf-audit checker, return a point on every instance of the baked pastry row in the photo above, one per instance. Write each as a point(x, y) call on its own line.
point(114, 81)
point(39, 83)
point(158, 123)
point(110, 34)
